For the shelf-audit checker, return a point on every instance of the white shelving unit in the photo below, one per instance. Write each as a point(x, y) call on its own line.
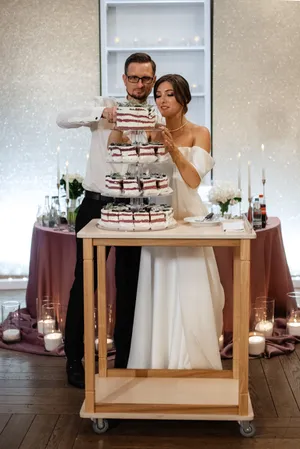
point(175, 33)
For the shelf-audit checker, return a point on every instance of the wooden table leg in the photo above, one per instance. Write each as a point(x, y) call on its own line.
point(236, 310)
point(244, 327)
point(89, 327)
point(102, 333)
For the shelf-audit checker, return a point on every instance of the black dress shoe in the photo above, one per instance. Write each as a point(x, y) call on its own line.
point(75, 373)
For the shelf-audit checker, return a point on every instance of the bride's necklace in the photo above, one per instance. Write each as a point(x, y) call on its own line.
point(177, 129)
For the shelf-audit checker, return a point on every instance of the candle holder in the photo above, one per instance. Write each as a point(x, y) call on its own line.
point(263, 315)
point(109, 328)
point(41, 302)
point(250, 214)
point(51, 327)
point(264, 189)
point(10, 313)
point(293, 314)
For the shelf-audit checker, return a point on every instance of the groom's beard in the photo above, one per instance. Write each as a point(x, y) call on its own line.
point(137, 99)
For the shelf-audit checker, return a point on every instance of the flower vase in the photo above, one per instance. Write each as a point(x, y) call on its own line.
point(71, 214)
point(224, 209)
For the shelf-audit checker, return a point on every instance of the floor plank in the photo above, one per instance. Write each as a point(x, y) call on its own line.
point(4, 420)
point(291, 367)
point(65, 433)
point(39, 432)
point(15, 431)
point(282, 395)
point(259, 391)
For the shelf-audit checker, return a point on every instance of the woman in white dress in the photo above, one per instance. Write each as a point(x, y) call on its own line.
point(179, 306)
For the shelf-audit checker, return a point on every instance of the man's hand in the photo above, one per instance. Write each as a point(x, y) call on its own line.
point(110, 114)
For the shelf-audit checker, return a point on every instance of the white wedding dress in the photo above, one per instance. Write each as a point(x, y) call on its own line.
point(178, 314)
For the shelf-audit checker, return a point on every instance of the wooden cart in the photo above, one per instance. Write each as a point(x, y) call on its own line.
point(166, 394)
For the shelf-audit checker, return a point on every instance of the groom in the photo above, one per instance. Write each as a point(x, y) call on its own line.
point(139, 78)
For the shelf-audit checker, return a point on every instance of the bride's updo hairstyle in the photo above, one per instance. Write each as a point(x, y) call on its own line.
point(180, 86)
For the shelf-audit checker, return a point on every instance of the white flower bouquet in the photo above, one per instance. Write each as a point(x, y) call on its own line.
point(224, 194)
point(75, 185)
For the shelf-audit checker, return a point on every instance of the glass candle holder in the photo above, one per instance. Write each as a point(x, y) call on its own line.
point(264, 315)
point(10, 314)
point(53, 336)
point(293, 314)
point(109, 328)
point(41, 301)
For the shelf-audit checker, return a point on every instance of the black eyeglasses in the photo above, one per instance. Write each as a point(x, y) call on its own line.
point(135, 79)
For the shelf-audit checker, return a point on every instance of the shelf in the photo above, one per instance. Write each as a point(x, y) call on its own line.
point(153, 2)
point(150, 49)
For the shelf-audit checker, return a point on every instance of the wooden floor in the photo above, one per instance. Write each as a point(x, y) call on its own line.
point(38, 410)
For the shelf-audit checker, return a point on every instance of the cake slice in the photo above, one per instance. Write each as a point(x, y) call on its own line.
point(135, 117)
point(147, 153)
point(141, 220)
point(130, 185)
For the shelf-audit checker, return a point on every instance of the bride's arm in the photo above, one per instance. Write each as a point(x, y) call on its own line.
point(187, 170)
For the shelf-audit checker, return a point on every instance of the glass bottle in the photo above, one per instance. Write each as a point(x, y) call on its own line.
point(46, 212)
point(263, 209)
point(257, 221)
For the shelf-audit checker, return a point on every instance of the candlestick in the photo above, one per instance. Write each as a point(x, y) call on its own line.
point(263, 162)
point(239, 171)
point(58, 169)
point(264, 191)
point(67, 182)
point(249, 179)
point(249, 214)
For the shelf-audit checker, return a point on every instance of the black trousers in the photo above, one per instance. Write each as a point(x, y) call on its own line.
point(127, 271)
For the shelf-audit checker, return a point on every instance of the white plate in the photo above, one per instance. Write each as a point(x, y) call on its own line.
point(197, 221)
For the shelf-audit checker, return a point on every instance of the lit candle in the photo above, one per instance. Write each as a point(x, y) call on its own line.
point(87, 156)
point(293, 328)
point(52, 341)
point(265, 327)
point(249, 179)
point(11, 335)
point(67, 181)
point(48, 326)
point(109, 344)
point(58, 170)
point(221, 342)
point(239, 171)
point(257, 344)
point(263, 162)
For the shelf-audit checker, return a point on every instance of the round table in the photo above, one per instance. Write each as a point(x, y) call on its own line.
point(53, 256)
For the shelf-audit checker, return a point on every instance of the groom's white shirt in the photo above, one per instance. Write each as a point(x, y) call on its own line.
point(90, 116)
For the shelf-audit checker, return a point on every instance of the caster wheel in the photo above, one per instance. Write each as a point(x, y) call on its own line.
point(100, 426)
point(247, 429)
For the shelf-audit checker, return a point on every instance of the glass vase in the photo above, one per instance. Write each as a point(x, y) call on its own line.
point(10, 314)
point(293, 314)
point(71, 214)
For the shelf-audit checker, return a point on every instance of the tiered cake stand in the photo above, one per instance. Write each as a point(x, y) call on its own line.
point(137, 169)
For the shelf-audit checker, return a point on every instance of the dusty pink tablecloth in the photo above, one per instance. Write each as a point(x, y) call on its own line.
point(270, 275)
point(52, 265)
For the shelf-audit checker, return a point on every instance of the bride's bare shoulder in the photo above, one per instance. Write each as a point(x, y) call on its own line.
point(201, 137)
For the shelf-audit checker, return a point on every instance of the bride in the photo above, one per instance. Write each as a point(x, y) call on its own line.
point(179, 305)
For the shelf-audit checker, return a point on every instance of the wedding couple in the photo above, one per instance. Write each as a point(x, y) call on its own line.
point(169, 300)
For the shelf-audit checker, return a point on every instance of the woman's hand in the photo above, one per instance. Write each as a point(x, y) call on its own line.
point(170, 145)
